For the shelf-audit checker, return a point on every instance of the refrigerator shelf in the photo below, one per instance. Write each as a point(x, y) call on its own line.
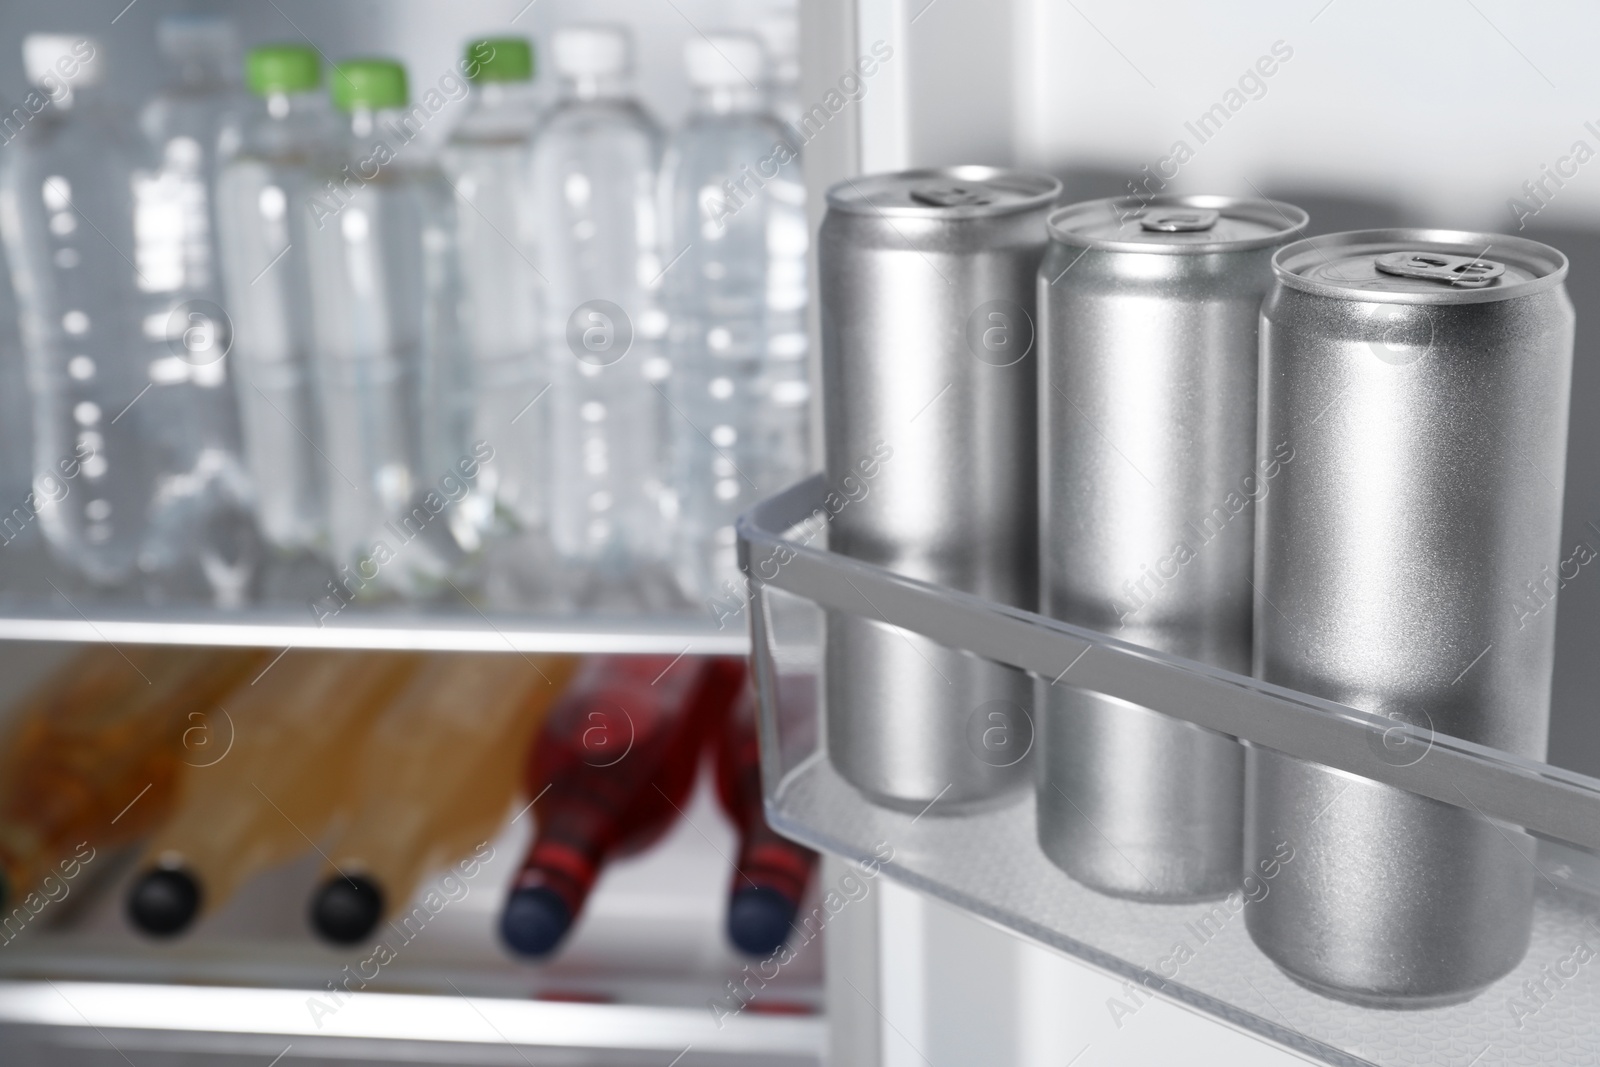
point(74, 1021)
point(635, 983)
point(462, 630)
point(1199, 955)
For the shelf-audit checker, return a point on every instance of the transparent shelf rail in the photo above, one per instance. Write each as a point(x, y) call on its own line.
point(991, 865)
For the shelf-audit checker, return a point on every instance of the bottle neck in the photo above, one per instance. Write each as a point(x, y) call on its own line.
point(728, 99)
point(281, 106)
point(503, 94)
point(384, 132)
point(284, 126)
point(497, 110)
point(364, 123)
point(364, 128)
point(198, 71)
point(594, 87)
point(496, 102)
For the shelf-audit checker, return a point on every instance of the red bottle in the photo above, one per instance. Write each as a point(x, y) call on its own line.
point(611, 770)
point(770, 871)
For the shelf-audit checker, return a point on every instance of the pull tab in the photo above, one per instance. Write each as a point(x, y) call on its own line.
point(1179, 220)
point(1463, 272)
point(950, 196)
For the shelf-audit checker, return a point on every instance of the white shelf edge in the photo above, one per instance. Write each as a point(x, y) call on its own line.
point(404, 1017)
point(409, 632)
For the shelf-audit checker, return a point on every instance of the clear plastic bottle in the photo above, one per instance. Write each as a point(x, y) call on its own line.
point(733, 195)
point(67, 217)
point(385, 290)
point(487, 160)
point(262, 219)
point(594, 167)
point(779, 30)
point(202, 538)
point(17, 526)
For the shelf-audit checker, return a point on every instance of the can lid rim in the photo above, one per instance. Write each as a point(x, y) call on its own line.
point(1288, 218)
point(1041, 190)
point(1530, 254)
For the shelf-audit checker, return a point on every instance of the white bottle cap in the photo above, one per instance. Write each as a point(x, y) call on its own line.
point(592, 51)
point(725, 60)
point(52, 59)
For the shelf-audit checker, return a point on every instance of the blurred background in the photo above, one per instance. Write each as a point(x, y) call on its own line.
point(428, 38)
point(1462, 115)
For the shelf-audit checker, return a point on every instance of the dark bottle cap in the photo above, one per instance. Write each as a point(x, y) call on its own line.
point(345, 910)
point(759, 918)
point(535, 920)
point(164, 902)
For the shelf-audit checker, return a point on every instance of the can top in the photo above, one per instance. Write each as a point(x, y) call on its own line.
point(967, 192)
point(1176, 225)
point(1419, 266)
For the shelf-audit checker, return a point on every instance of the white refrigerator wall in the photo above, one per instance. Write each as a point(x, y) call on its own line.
point(953, 990)
point(1443, 109)
point(1439, 108)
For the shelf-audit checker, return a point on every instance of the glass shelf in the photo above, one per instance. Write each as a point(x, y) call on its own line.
point(991, 865)
point(457, 630)
point(39, 602)
point(67, 1022)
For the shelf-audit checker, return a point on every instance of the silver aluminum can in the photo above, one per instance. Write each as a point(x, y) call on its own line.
point(929, 387)
point(1423, 377)
point(1149, 315)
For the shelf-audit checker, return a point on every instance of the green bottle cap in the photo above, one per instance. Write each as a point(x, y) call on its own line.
point(499, 59)
point(282, 68)
point(372, 84)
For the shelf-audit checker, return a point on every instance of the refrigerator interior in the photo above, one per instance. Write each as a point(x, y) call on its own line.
point(38, 596)
point(638, 979)
point(1374, 115)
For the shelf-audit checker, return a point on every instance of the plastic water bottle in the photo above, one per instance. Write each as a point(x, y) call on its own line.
point(262, 214)
point(25, 572)
point(779, 30)
point(487, 160)
point(17, 525)
point(385, 289)
point(594, 167)
point(202, 535)
point(67, 217)
point(734, 199)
